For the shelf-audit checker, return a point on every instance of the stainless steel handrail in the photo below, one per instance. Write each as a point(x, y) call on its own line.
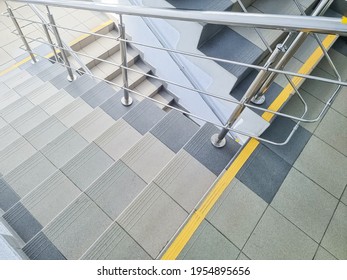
point(267, 21)
point(265, 68)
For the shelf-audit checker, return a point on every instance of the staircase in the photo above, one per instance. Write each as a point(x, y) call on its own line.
point(79, 170)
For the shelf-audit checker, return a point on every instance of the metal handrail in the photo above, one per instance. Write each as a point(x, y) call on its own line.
point(227, 127)
point(267, 21)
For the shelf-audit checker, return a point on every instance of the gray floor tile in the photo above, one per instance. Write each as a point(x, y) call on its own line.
point(320, 90)
point(77, 227)
point(232, 214)
point(60, 81)
point(49, 73)
point(64, 147)
point(264, 173)
point(277, 238)
point(98, 94)
point(80, 86)
point(215, 159)
point(324, 165)
point(278, 131)
point(295, 107)
point(25, 177)
point(116, 189)
point(49, 198)
point(41, 248)
point(305, 204)
point(87, 166)
point(144, 116)
point(344, 197)
point(340, 103)
point(114, 107)
point(332, 130)
point(209, 244)
point(115, 244)
point(148, 157)
point(186, 180)
point(7, 136)
point(16, 109)
point(8, 196)
point(22, 221)
point(152, 219)
point(175, 130)
point(323, 254)
point(118, 139)
point(335, 239)
point(339, 60)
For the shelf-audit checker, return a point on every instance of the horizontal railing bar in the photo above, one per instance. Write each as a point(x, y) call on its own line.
point(267, 21)
point(200, 91)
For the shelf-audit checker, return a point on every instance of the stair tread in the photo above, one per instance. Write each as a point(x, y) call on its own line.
point(28, 86)
point(30, 173)
point(42, 93)
point(118, 139)
point(80, 85)
point(45, 132)
point(14, 154)
point(113, 192)
point(94, 124)
point(81, 218)
point(7, 136)
point(51, 72)
point(16, 79)
point(16, 109)
point(87, 166)
point(56, 102)
point(147, 157)
point(64, 147)
point(8, 98)
point(38, 67)
point(98, 94)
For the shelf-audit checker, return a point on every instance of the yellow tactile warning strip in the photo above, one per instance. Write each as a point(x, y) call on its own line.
point(344, 20)
point(73, 42)
point(200, 214)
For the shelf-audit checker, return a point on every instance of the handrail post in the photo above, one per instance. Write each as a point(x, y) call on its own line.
point(71, 77)
point(126, 99)
point(45, 28)
point(218, 140)
point(15, 22)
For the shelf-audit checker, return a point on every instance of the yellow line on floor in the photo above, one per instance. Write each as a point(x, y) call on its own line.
point(73, 42)
point(200, 214)
point(344, 20)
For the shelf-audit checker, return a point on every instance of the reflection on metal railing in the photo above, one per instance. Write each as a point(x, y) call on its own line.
point(279, 56)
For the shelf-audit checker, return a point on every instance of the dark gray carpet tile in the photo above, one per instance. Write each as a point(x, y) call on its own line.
point(264, 173)
point(175, 130)
point(215, 159)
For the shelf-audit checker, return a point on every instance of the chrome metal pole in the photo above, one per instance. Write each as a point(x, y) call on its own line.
point(44, 26)
point(15, 22)
point(71, 77)
point(126, 99)
point(218, 140)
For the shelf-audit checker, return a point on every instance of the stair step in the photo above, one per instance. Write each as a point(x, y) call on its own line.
point(3, 87)
point(14, 154)
point(29, 120)
point(17, 79)
point(144, 116)
point(214, 159)
point(42, 94)
point(87, 166)
point(29, 174)
point(115, 108)
point(3, 123)
point(98, 94)
point(149, 87)
point(118, 139)
point(38, 67)
point(175, 130)
point(57, 102)
point(80, 86)
point(165, 98)
point(94, 124)
point(51, 72)
point(113, 192)
point(74, 230)
point(115, 244)
point(7, 76)
point(28, 86)
point(152, 219)
point(8, 197)
point(8, 98)
point(64, 147)
point(177, 177)
point(45, 132)
point(41, 205)
point(7, 136)
point(281, 6)
point(73, 112)
point(147, 157)
point(16, 109)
